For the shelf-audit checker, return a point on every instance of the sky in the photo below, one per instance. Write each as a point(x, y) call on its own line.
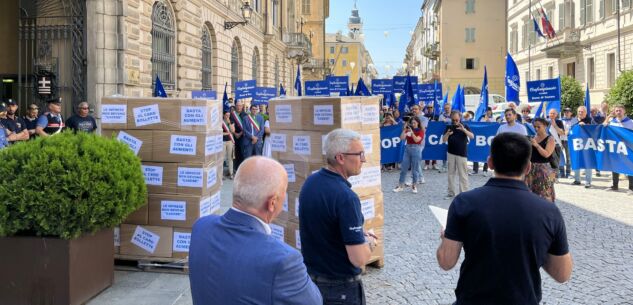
point(386, 24)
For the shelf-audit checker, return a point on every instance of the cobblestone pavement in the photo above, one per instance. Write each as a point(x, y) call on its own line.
point(599, 228)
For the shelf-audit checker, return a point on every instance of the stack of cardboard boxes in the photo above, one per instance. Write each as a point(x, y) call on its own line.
point(180, 145)
point(299, 126)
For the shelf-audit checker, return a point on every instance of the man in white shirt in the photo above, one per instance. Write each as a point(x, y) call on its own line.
point(512, 125)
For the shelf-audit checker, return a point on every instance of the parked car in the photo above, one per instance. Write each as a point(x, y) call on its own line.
point(495, 101)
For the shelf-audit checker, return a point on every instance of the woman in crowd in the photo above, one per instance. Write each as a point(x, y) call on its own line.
point(388, 120)
point(542, 176)
point(414, 135)
point(525, 114)
point(228, 136)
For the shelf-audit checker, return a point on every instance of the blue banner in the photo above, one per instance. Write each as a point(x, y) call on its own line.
point(382, 86)
point(479, 147)
point(245, 89)
point(605, 148)
point(204, 95)
point(263, 94)
point(338, 85)
point(317, 88)
point(398, 83)
point(429, 93)
point(434, 148)
point(391, 147)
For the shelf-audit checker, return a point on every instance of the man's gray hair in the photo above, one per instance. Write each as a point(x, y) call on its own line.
point(83, 104)
point(339, 141)
point(582, 107)
point(255, 183)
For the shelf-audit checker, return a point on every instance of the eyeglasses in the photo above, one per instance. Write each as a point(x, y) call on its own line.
point(360, 154)
point(84, 108)
point(34, 108)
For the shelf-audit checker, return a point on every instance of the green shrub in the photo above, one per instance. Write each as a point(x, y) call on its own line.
point(67, 185)
point(571, 93)
point(622, 92)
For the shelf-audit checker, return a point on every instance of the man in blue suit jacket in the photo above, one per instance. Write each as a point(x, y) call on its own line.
point(253, 139)
point(233, 258)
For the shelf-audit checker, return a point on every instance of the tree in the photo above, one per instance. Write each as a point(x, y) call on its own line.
point(571, 94)
point(622, 92)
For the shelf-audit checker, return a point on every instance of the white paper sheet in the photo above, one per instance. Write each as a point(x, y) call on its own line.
point(440, 214)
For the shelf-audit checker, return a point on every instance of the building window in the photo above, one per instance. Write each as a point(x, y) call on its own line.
point(470, 35)
point(566, 15)
point(538, 74)
point(235, 65)
point(470, 64)
point(163, 45)
point(610, 70)
point(275, 13)
point(524, 35)
point(550, 72)
point(470, 6)
point(305, 7)
point(591, 73)
point(344, 63)
point(207, 57)
point(586, 11)
point(344, 50)
point(255, 65)
point(332, 61)
point(626, 3)
point(332, 50)
point(277, 75)
point(514, 40)
point(571, 69)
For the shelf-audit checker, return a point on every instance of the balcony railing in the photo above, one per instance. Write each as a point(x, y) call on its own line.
point(299, 46)
point(314, 63)
point(567, 43)
point(432, 51)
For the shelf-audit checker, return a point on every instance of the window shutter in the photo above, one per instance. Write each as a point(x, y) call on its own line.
point(583, 17)
point(601, 9)
point(626, 3)
point(476, 64)
point(463, 60)
point(589, 11)
point(561, 16)
point(466, 32)
point(472, 34)
point(614, 6)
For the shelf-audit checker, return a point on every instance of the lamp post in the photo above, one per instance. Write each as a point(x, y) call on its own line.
point(247, 11)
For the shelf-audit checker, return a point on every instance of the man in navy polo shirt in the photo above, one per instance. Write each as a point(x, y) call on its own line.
point(505, 241)
point(333, 242)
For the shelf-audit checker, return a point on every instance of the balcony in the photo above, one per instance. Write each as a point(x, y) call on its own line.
point(432, 51)
point(314, 63)
point(566, 44)
point(299, 46)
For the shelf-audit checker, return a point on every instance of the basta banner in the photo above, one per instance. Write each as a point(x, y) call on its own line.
point(317, 88)
point(263, 94)
point(245, 89)
point(338, 85)
point(204, 95)
point(428, 93)
point(604, 148)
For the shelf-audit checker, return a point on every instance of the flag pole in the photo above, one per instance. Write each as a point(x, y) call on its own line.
point(530, 45)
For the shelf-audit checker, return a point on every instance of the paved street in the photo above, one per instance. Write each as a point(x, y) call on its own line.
point(599, 227)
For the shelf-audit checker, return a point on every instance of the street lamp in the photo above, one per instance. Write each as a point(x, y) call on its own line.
point(247, 11)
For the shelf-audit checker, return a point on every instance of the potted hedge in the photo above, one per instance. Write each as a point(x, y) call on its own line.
point(60, 197)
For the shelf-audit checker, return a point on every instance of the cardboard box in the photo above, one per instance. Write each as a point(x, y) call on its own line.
point(278, 228)
point(113, 113)
point(181, 210)
point(328, 113)
point(292, 236)
point(373, 209)
point(299, 171)
point(371, 144)
point(370, 119)
point(285, 113)
point(139, 141)
point(187, 146)
point(182, 178)
point(181, 242)
point(291, 208)
point(200, 115)
point(138, 217)
point(292, 145)
point(153, 113)
point(369, 181)
point(146, 240)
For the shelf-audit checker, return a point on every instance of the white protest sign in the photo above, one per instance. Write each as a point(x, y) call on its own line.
point(277, 232)
point(173, 210)
point(371, 114)
point(190, 177)
point(323, 114)
point(153, 174)
point(183, 145)
point(283, 113)
point(113, 114)
point(290, 169)
point(146, 115)
point(301, 145)
point(368, 208)
point(351, 113)
point(212, 176)
point(278, 142)
point(193, 116)
point(181, 241)
point(145, 239)
point(368, 142)
point(131, 141)
point(440, 214)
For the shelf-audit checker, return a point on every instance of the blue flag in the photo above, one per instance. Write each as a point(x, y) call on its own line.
point(159, 91)
point(539, 111)
point(436, 104)
point(437, 111)
point(537, 29)
point(225, 100)
point(456, 97)
point(361, 89)
point(587, 99)
point(409, 97)
point(513, 80)
point(282, 91)
point(298, 81)
point(483, 98)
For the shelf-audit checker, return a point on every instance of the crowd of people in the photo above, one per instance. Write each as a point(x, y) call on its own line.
point(550, 161)
point(245, 134)
point(15, 128)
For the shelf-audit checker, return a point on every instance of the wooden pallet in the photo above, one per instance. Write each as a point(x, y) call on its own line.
point(151, 264)
point(376, 262)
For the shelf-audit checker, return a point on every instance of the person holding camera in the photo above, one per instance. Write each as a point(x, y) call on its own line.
point(457, 136)
point(414, 134)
